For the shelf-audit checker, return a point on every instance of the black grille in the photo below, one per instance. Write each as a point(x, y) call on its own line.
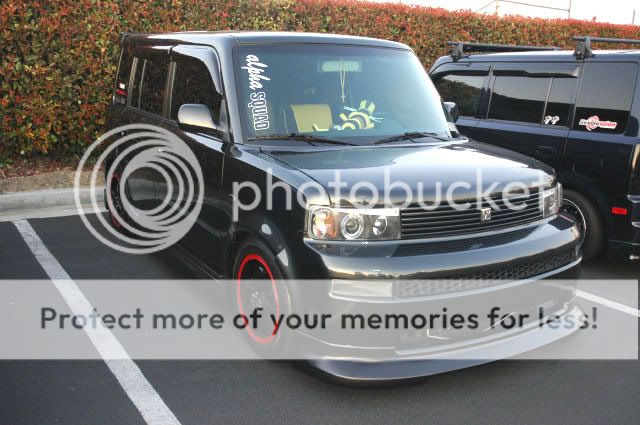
point(484, 278)
point(445, 220)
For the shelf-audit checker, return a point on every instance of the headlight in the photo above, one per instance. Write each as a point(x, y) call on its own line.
point(326, 223)
point(551, 200)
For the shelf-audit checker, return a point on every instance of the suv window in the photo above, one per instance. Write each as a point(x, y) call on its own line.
point(464, 90)
point(605, 97)
point(560, 101)
point(135, 85)
point(153, 85)
point(192, 83)
point(124, 71)
point(516, 98)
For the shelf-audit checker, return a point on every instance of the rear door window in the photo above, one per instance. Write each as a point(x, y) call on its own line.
point(560, 101)
point(137, 81)
point(463, 89)
point(605, 97)
point(124, 72)
point(154, 80)
point(519, 98)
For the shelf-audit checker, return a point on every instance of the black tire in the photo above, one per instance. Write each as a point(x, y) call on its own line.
point(255, 261)
point(589, 221)
point(112, 191)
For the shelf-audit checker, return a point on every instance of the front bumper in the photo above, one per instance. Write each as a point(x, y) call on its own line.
point(624, 233)
point(416, 269)
point(624, 250)
point(419, 365)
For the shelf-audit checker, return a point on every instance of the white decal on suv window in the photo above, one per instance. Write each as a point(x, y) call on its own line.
point(256, 69)
point(258, 104)
point(551, 119)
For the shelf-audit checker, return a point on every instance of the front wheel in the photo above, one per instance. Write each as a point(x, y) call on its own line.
point(259, 284)
point(116, 210)
point(588, 220)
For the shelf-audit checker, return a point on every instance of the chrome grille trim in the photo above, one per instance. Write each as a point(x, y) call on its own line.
point(445, 220)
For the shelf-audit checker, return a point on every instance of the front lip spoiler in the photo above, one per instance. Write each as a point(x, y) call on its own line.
point(460, 293)
point(362, 372)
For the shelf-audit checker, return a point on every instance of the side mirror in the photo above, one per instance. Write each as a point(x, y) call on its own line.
point(196, 117)
point(452, 108)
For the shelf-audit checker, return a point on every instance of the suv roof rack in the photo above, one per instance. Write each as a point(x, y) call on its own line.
point(459, 48)
point(583, 48)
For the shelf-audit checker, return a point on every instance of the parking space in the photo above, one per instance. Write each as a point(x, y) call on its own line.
point(83, 257)
point(66, 392)
point(208, 392)
point(16, 258)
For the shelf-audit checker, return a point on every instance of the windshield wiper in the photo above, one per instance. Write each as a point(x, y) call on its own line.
point(411, 135)
point(309, 138)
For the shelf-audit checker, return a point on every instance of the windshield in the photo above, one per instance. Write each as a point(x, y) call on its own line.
point(348, 93)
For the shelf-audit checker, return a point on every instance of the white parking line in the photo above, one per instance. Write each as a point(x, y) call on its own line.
point(136, 386)
point(608, 303)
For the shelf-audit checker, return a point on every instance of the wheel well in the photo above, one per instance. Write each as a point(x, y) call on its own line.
point(594, 201)
point(240, 238)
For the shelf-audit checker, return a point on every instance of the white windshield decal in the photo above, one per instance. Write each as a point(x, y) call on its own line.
point(258, 104)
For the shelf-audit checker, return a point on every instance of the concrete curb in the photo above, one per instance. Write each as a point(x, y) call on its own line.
point(48, 198)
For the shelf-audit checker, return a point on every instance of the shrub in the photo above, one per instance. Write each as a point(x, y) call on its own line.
point(58, 57)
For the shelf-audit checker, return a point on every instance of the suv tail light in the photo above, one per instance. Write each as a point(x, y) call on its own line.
point(634, 180)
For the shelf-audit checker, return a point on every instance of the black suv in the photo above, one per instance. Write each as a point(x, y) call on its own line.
point(576, 111)
point(286, 114)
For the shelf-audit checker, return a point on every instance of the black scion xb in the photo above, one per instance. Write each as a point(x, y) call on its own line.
point(577, 111)
point(333, 158)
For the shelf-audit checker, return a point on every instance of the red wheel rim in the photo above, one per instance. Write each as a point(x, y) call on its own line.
point(243, 264)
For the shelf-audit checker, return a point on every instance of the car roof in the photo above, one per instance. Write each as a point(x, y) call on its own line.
point(252, 37)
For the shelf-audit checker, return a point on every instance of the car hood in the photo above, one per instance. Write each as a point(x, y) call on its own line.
point(418, 172)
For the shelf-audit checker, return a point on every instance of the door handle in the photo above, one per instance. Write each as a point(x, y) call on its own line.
point(546, 151)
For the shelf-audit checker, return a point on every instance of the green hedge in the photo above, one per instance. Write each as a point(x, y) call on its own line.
point(58, 57)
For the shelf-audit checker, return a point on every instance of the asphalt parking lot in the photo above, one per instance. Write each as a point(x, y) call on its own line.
point(211, 392)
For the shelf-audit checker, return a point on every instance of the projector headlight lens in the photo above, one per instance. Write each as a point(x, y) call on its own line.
point(326, 223)
point(352, 226)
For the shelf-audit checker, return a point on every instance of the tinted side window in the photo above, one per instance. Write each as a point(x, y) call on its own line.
point(464, 90)
point(192, 83)
point(605, 97)
point(153, 85)
point(518, 98)
point(124, 71)
point(560, 101)
point(137, 81)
